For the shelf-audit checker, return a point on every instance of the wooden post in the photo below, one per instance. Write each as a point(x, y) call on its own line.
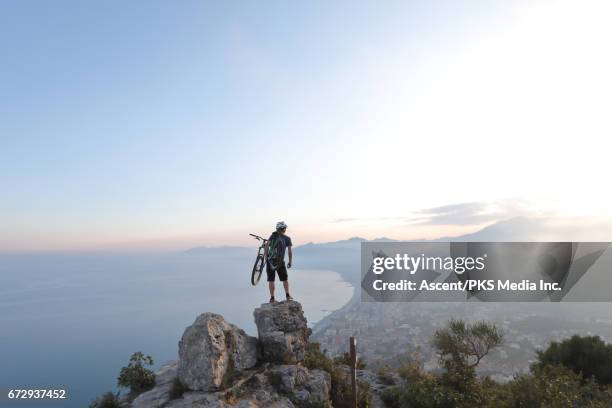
point(353, 353)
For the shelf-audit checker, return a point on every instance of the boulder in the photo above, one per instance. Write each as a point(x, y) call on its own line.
point(283, 332)
point(211, 351)
point(305, 387)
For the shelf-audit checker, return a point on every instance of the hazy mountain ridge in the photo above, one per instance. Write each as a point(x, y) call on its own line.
point(224, 249)
point(344, 256)
point(514, 229)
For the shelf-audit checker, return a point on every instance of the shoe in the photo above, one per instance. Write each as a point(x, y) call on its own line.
point(289, 298)
point(272, 300)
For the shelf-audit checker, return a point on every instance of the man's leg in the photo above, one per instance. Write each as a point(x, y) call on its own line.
point(271, 287)
point(282, 275)
point(271, 277)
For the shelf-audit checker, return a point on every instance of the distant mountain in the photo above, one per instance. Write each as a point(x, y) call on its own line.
point(344, 256)
point(352, 243)
point(220, 250)
point(383, 239)
point(345, 243)
point(514, 229)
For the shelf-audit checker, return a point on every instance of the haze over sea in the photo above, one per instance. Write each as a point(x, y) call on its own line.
point(73, 320)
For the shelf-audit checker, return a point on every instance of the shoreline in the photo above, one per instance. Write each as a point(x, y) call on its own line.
point(323, 323)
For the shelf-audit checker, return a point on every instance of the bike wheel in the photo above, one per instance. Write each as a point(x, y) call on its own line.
point(257, 269)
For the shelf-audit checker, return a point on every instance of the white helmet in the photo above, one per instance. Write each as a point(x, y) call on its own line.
point(281, 225)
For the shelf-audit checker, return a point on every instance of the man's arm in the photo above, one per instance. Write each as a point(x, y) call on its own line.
point(266, 246)
point(290, 252)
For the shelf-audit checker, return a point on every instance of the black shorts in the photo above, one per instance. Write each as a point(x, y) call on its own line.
point(281, 270)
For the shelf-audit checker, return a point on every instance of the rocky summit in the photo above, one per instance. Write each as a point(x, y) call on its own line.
point(283, 332)
point(221, 366)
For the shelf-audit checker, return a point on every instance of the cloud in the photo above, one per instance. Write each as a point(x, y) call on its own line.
point(461, 214)
point(472, 213)
point(338, 220)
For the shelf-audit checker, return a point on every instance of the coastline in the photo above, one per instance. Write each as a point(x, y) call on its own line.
point(321, 325)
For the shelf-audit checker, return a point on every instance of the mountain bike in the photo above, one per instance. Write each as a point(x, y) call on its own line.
point(260, 261)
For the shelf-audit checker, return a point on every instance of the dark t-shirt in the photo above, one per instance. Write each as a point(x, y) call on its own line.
point(285, 242)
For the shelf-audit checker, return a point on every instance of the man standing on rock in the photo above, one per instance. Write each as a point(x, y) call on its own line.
point(275, 256)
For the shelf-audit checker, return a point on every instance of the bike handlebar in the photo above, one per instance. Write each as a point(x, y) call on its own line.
point(258, 237)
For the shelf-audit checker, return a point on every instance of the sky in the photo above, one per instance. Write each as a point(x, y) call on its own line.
point(171, 124)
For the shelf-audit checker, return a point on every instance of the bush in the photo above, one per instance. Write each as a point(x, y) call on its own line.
point(555, 381)
point(549, 387)
point(465, 343)
point(135, 376)
point(346, 359)
point(340, 379)
point(425, 393)
point(589, 356)
point(108, 400)
point(314, 358)
point(411, 372)
point(385, 375)
point(556, 386)
point(461, 346)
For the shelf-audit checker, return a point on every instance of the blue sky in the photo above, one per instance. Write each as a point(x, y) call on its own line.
point(171, 124)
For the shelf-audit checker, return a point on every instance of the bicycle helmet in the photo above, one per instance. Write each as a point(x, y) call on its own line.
point(281, 225)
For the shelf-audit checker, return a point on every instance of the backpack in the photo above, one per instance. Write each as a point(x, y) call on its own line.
point(275, 249)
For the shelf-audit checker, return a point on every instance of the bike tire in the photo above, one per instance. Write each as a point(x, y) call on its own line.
point(257, 270)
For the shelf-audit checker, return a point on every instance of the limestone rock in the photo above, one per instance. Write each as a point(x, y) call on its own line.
point(211, 350)
point(160, 394)
point(306, 387)
point(251, 390)
point(283, 332)
point(218, 363)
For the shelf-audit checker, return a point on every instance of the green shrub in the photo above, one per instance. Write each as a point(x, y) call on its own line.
point(314, 358)
point(341, 391)
point(392, 397)
point(411, 372)
point(425, 393)
point(589, 356)
point(461, 346)
point(556, 381)
point(135, 376)
point(556, 386)
point(108, 400)
point(346, 359)
point(385, 375)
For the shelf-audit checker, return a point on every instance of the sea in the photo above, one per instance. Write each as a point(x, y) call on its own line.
point(71, 321)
